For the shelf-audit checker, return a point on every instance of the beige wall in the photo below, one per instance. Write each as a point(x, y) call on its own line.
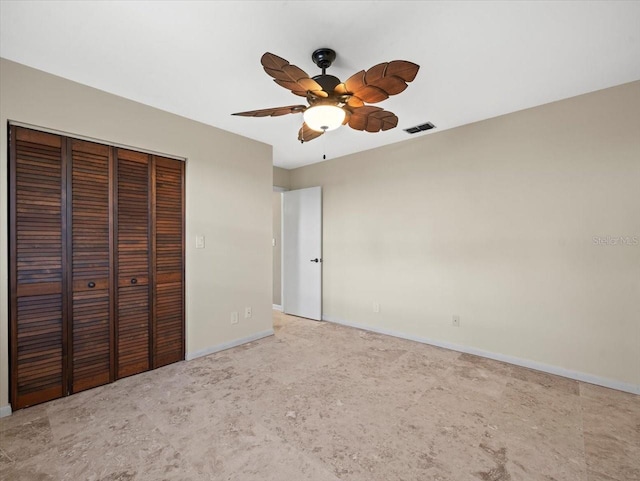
point(228, 186)
point(495, 222)
point(281, 177)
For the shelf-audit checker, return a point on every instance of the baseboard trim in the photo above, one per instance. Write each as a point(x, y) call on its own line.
point(5, 411)
point(229, 345)
point(277, 307)
point(558, 371)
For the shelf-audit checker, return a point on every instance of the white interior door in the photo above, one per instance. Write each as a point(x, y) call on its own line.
point(302, 252)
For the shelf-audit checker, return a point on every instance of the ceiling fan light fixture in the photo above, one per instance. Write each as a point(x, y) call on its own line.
point(323, 118)
point(333, 103)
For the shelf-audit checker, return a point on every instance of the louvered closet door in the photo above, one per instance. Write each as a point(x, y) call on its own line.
point(91, 313)
point(133, 324)
point(37, 259)
point(168, 343)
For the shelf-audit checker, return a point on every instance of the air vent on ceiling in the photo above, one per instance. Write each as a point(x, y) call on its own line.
point(420, 128)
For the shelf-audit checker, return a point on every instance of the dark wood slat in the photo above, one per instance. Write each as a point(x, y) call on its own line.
point(133, 330)
point(38, 338)
point(36, 139)
point(40, 288)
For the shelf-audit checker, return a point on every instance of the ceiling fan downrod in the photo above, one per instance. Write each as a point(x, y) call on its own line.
point(323, 58)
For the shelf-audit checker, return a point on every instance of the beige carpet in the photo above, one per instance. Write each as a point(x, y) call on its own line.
point(323, 402)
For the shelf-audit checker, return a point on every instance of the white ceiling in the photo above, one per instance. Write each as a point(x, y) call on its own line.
point(201, 59)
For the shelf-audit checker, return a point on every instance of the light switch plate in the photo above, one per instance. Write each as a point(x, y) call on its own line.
point(199, 242)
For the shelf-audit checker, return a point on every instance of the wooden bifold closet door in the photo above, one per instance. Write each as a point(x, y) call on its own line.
point(133, 262)
point(37, 276)
point(168, 339)
point(90, 312)
point(96, 264)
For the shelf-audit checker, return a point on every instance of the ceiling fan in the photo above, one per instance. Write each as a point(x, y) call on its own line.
point(333, 103)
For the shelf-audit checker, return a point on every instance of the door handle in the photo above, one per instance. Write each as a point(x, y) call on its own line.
point(91, 285)
point(316, 260)
point(134, 281)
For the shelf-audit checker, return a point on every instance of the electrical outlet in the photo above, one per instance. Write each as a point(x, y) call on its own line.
point(234, 317)
point(455, 322)
point(376, 307)
point(247, 312)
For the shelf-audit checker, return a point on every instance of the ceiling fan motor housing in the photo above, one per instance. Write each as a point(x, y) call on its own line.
point(327, 82)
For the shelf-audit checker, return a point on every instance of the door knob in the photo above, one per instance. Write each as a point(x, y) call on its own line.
point(134, 281)
point(316, 260)
point(91, 285)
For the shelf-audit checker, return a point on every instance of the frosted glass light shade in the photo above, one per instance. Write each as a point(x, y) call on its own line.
point(324, 117)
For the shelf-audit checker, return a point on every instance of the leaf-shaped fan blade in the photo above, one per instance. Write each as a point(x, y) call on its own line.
point(380, 81)
point(404, 69)
point(372, 119)
point(274, 112)
point(355, 102)
point(354, 83)
point(306, 133)
point(341, 89)
point(289, 76)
